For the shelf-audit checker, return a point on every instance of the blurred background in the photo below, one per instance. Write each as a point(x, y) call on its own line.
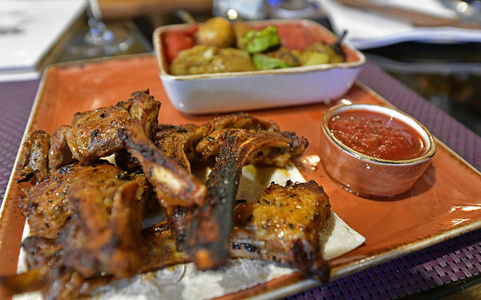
point(432, 46)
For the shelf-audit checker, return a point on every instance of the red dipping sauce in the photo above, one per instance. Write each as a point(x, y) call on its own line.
point(377, 135)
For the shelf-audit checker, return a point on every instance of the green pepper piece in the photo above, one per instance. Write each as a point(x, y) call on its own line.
point(255, 41)
point(264, 62)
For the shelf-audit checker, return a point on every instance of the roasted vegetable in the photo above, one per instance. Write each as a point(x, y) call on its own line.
point(264, 62)
point(255, 41)
point(203, 59)
point(216, 32)
point(176, 42)
point(281, 58)
point(311, 58)
point(334, 57)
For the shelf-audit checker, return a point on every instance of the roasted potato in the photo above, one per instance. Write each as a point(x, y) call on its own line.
point(216, 32)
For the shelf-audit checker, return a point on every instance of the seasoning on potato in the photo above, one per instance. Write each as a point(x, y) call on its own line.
point(216, 32)
point(224, 46)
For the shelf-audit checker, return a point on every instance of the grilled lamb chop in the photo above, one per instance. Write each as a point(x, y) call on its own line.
point(49, 273)
point(174, 185)
point(93, 134)
point(103, 234)
point(178, 142)
point(212, 224)
point(243, 121)
point(46, 206)
point(284, 226)
point(210, 145)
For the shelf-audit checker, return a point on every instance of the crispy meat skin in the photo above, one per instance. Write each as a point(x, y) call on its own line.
point(210, 145)
point(212, 224)
point(88, 215)
point(104, 233)
point(93, 134)
point(159, 248)
point(46, 206)
point(143, 108)
point(34, 158)
point(178, 141)
point(105, 206)
point(284, 226)
point(48, 273)
point(174, 185)
point(59, 153)
point(243, 121)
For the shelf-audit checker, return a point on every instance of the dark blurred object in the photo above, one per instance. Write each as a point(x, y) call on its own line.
point(448, 76)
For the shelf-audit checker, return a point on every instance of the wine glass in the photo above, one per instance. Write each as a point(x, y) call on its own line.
point(99, 40)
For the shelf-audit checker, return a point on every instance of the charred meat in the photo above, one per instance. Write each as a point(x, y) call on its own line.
point(212, 224)
point(46, 205)
point(178, 142)
point(174, 184)
point(34, 157)
point(284, 226)
point(87, 216)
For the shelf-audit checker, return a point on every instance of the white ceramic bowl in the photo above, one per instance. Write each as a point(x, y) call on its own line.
point(366, 175)
point(241, 91)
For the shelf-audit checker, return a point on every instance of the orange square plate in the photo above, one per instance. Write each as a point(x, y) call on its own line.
point(444, 203)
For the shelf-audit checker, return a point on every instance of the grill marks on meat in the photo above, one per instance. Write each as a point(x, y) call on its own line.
point(34, 157)
point(86, 215)
point(48, 274)
point(93, 134)
point(46, 205)
point(174, 185)
point(104, 233)
point(178, 142)
point(212, 224)
point(284, 226)
point(159, 248)
point(59, 153)
point(243, 121)
point(99, 238)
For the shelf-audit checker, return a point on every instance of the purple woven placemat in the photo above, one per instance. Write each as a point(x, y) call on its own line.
point(16, 99)
point(432, 267)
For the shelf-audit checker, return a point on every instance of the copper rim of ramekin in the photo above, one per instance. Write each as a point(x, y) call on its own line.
point(429, 153)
